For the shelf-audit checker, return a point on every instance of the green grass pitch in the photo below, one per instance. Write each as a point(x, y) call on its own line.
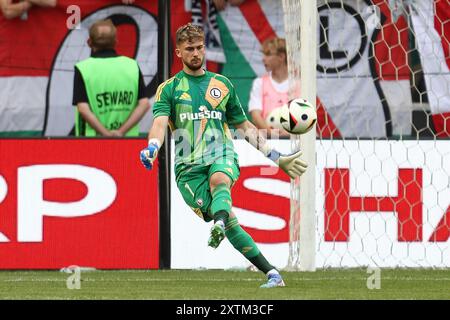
point(219, 284)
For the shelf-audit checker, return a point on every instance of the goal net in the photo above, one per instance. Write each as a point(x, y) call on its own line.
point(379, 169)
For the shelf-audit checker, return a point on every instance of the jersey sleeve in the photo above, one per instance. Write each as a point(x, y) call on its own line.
point(163, 100)
point(235, 113)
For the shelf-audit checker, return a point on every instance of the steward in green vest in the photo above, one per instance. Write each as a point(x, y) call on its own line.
point(109, 90)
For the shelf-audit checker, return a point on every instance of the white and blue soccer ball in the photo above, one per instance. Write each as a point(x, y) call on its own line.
point(298, 116)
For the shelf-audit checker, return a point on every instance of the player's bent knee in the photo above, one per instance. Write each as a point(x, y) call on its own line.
point(219, 178)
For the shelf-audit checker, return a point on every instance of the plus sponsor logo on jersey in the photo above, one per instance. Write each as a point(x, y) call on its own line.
point(203, 114)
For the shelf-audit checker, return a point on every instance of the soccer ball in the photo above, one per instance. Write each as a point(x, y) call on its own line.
point(298, 116)
point(273, 118)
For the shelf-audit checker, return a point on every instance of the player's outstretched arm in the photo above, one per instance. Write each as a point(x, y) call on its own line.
point(155, 140)
point(289, 163)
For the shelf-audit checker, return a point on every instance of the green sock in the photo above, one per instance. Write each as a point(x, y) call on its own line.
point(221, 216)
point(261, 263)
point(242, 242)
point(221, 203)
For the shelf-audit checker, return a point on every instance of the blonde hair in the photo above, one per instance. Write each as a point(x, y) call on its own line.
point(189, 32)
point(101, 39)
point(274, 45)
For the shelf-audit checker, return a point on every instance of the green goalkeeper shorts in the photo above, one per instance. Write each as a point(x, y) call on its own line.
point(193, 183)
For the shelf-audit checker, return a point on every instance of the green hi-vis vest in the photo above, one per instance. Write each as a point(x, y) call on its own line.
point(112, 89)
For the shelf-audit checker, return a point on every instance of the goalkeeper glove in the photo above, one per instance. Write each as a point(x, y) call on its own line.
point(289, 163)
point(149, 154)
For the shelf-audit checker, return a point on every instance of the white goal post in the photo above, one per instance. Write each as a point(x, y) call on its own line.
point(301, 42)
point(308, 40)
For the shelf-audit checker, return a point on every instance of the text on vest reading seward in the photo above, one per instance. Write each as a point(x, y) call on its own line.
point(113, 98)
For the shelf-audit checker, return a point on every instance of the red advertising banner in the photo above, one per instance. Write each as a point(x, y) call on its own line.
point(67, 202)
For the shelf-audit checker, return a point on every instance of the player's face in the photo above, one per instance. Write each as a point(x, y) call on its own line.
point(191, 53)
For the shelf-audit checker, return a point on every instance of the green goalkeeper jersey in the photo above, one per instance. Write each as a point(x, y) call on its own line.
point(200, 108)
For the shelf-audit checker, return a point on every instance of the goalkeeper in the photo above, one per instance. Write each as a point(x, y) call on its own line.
point(199, 105)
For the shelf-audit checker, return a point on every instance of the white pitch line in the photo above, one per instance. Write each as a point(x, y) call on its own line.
point(217, 280)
